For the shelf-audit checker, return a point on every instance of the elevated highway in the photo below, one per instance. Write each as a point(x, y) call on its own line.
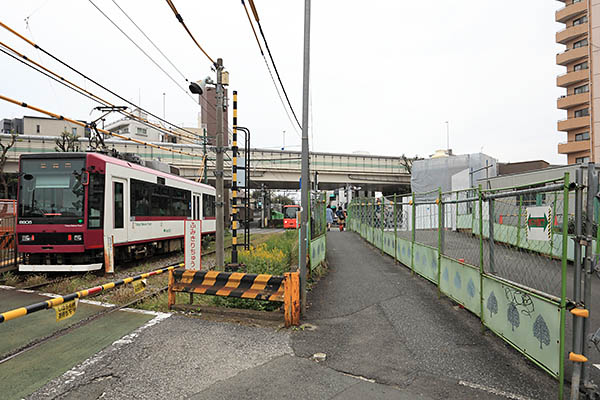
point(275, 168)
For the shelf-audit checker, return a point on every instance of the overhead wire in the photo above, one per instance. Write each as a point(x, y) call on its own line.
point(269, 69)
point(85, 125)
point(40, 68)
point(149, 57)
point(180, 19)
point(36, 46)
point(150, 40)
point(262, 33)
point(143, 51)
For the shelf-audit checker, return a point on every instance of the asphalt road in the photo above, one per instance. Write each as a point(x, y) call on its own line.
point(373, 319)
point(385, 333)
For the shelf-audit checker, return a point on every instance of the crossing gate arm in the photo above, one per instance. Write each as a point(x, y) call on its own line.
point(285, 289)
point(48, 304)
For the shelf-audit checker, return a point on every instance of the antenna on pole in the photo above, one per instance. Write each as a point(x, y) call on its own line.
point(448, 136)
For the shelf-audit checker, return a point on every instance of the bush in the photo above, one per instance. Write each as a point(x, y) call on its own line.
point(273, 257)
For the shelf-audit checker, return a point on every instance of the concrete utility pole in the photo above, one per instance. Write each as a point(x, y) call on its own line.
point(219, 243)
point(305, 180)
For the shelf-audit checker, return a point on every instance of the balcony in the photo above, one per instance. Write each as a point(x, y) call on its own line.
point(572, 77)
point(566, 102)
point(572, 55)
point(571, 33)
point(573, 147)
point(573, 123)
point(571, 11)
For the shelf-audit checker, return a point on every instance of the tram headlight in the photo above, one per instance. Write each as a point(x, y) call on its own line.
point(27, 238)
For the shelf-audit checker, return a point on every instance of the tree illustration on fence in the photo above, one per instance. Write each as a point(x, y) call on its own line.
point(513, 316)
point(541, 332)
point(492, 304)
point(471, 288)
point(457, 281)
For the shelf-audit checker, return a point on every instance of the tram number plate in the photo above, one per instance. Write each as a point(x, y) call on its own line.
point(139, 286)
point(65, 310)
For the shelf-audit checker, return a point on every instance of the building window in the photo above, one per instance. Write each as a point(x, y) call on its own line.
point(74, 131)
point(581, 89)
point(142, 131)
point(575, 1)
point(582, 113)
point(37, 129)
point(125, 130)
point(580, 43)
point(582, 136)
point(581, 160)
point(580, 21)
point(580, 66)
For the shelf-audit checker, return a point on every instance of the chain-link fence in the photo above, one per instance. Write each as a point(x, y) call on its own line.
point(318, 223)
point(501, 253)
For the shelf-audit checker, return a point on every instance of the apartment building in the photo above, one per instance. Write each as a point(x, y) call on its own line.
point(577, 80)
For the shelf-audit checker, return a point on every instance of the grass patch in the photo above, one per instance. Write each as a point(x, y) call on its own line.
point(9, 278)
point(273, 256)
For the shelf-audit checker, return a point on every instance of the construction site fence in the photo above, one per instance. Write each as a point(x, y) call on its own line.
point(502, 254)
point(8, 237)
point(317, 245)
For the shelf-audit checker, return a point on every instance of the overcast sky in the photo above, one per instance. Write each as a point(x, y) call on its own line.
point(385, 75)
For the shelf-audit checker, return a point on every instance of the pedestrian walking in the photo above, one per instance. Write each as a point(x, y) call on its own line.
point(329, 216)
point(341, 216)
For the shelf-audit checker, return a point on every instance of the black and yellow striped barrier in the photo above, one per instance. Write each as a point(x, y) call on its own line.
point(284, 289)
point(45, 305)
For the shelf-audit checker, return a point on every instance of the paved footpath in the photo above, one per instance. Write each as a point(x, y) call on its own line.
point(386, 335)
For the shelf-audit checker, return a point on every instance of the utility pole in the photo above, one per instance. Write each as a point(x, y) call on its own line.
point(305, 180)
point(220, 229)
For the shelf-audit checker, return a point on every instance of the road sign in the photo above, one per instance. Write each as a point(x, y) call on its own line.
point(193, 245)
point(241, 173)
point(539, 223)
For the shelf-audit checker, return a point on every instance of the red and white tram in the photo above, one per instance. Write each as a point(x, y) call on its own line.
point(69, 202)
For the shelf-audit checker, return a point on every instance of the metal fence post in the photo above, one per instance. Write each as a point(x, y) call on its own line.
point(413, 234)
point(519, 220)
point(563, 288)
point(588, 265)
point(481, 272)
point(382, 221)
point(491, 234)
point(441, 221)
point(577, 342)
point(395, 229)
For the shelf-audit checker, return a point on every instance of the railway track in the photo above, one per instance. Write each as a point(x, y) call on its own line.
point(61, 332)
point(54, 335)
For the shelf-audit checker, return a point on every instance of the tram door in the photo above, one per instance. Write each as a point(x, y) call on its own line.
point(196, 206)
point(120, 212)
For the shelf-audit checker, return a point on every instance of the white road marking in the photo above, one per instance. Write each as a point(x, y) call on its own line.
point(7, 287)
point(596, 365)
point(491, 390)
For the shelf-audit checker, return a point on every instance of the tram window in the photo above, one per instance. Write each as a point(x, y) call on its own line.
point(96, 201)
point(118, 204)
point(208, 205)
point(150, 199)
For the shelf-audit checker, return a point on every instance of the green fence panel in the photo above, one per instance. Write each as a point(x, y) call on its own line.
point(464, 221)
point(318, 250)
point(461, 283)
point(403, 250)
point(528, 322)
point(425, 261)
point(370, 234)
point(388, 243)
